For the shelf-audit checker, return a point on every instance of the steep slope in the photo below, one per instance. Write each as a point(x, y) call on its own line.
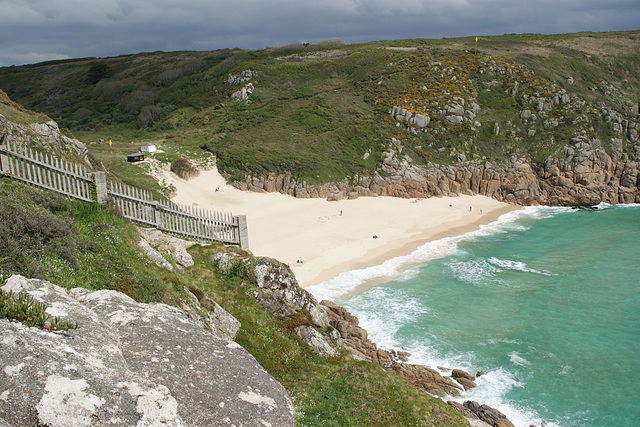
point(315, 120)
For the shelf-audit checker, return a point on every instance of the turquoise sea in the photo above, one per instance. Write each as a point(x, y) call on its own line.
point(545, 301)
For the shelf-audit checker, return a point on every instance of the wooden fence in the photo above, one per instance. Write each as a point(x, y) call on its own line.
point(44, 171)
point(192, 222)
point(73, 180)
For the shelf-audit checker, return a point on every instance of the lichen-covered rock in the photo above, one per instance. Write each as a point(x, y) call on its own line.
point(154, 255)
point(128, 364)
point(165, 244)
point(210, 315)
point(316, 341)
point(225, 262)
point(279, 289)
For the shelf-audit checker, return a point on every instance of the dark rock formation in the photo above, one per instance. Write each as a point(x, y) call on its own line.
point(427, 379)
point(485, 413)
point(353, 337)
point(128, 364)
point(355, 340)
point(465, 379)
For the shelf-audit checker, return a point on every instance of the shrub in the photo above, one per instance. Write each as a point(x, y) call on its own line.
point(34, 225)
point(99, 71)
point(184, 169)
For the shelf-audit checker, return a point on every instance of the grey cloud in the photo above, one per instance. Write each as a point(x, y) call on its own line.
point(43, 30)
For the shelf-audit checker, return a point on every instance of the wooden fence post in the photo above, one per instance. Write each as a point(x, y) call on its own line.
point(100, 179)
point(243, 233)
point(157, 215)
point(4, 160)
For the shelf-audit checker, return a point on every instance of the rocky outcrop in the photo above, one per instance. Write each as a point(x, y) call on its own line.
point(242, 78)
point(316, 341)
point(427, 379)
point(585, 175)
point(210, 315)
point(128, 364)
point(46, 135)
point(155, 243)
point(354, 339)
point(278, 289)
point(484, 413)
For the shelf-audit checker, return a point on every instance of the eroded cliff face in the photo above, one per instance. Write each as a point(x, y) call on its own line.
point(584, 175)
point(448, 98)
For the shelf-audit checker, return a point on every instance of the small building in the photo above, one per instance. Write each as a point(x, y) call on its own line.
point(151, 148)
point(135, 157)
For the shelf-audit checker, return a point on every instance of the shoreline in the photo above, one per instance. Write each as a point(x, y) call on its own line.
point(405, 246)
point(321, 239)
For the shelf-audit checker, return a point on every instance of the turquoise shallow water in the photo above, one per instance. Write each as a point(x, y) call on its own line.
point(546, 302)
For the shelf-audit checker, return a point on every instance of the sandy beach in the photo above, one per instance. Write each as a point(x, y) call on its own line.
point(319, 239)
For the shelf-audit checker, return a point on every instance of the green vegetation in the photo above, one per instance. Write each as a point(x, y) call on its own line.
point(321, 112)
point(74, 244)
point(23, 308)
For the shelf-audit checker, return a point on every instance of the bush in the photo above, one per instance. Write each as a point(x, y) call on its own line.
point(34, 225)
point(99, 71)
point(184, 169)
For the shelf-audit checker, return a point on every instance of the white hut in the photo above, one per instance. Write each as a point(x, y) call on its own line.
point(148, 148)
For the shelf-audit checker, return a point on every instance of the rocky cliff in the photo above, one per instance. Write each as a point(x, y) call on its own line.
point(331, 327)
point(128, 364)
point(585, 175)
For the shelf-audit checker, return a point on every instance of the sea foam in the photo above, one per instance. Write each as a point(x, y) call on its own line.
point(348, 283)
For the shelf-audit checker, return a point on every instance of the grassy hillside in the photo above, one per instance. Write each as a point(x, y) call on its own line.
point(321, 111)
point(75, 244)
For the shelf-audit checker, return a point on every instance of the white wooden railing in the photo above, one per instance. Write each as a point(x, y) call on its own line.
point(48, 172)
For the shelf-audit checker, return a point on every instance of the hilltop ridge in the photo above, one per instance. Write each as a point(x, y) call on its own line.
point(333, 119)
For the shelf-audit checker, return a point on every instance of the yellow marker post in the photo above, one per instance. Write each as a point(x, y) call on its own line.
point(475, 52)
point(110, 146)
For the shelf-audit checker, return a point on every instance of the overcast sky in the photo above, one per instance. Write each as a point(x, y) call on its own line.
point(40, 30)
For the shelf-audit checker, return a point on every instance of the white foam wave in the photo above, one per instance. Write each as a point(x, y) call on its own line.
point(397, 268)
point(518, 360)
point(381, 312)
point(491, 389)
point(565, 370)
point(476, 271)
point(602, 205)
point(389, 270)
point(628, 205)
point(493, 341)
point(516, 265)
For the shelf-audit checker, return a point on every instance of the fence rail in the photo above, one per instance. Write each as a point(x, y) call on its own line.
point(193, 222)
point(44, 171)
point(73, 180)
